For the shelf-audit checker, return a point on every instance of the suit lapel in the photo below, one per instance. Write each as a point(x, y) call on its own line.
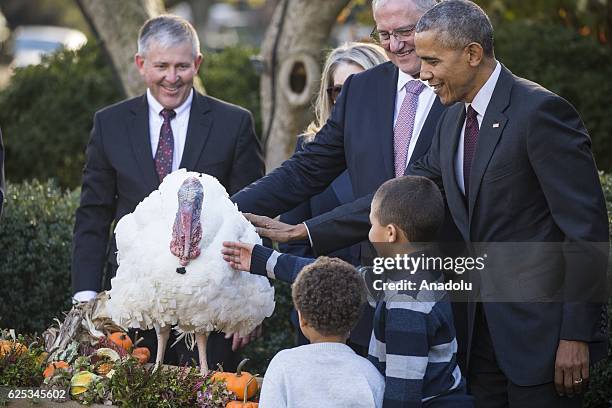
point(429, 127)
point(138, 133)
point(454, 195)
point(198, 131)
point(386, 103)
point(490, 132)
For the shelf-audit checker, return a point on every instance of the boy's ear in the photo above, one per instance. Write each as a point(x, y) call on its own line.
point(392, 233)
point(301, 320)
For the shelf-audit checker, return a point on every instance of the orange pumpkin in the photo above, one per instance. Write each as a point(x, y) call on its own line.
point(7, 347)
point(242, 404)
point(142, 354)
point(243, 384)
point(50, 370)
point(122, 340)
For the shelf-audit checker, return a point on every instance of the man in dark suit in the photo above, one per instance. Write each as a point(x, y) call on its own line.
point(1, 173)
point(364, 135)
point(134, 144)
point(515, 165)
point(529, 178)
point(359, 136)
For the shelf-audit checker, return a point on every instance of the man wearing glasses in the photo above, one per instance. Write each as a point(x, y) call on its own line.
point(382, 121)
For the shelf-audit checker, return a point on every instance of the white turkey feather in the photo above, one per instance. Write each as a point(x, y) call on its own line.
point(147, 290)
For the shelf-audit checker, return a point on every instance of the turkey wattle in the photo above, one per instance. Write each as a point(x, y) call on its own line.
point(171, 270)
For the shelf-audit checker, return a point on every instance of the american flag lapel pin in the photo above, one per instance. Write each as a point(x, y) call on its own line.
point(495, 125)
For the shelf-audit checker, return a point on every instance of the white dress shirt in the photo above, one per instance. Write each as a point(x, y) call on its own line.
point(479, 104)
point(178, 125)
point(179, 133)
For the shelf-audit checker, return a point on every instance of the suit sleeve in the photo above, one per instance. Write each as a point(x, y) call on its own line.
point(349, 224)
point(303, 175)
point(559, 150)
point(94, 215)
point(1, 173)
point(248, 163)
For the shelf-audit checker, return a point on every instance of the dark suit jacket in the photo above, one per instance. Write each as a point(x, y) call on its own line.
point(120, 171)
point(534, 180)
point(1, 173)
point(358, 137)
point(339, 192)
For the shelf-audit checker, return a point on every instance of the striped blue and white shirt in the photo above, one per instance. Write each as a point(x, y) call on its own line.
point(414, 346)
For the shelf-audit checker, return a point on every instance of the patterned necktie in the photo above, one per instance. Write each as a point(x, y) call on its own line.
point(405, 124)
point(165, 146)
point(470, 137)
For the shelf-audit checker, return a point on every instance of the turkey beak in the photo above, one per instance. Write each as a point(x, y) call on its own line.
point(186, 221)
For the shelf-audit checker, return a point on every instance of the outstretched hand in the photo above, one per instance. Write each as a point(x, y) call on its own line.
point(276, 230)
point(238, 255)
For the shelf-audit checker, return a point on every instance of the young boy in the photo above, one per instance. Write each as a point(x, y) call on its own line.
point(413, 341)
point(328, 295)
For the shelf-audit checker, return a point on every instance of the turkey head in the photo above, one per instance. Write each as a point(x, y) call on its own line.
point(187, 230)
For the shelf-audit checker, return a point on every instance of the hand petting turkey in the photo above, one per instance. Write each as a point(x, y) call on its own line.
point(276, 230)
point(238, 255)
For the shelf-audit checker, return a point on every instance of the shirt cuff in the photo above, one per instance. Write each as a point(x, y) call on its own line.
point(84, 296)
point(308, 232)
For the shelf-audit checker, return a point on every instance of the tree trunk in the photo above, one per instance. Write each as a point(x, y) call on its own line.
point(291, 60)
point(116, 23)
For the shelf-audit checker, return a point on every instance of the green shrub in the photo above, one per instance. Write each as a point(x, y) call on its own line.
point(575, 67)
point(229, 75)
point(35, 241)
point(46, 115)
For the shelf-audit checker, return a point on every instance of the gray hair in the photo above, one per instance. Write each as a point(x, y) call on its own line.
point(167, 30)
point(421, 5)
point(364, 55)
point(459, 23)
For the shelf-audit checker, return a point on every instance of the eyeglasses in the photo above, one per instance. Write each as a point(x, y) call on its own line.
point(333, 92)
point(400, 34)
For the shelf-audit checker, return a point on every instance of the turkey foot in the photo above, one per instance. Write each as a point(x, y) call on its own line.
point(201, 339)
point(163, 333)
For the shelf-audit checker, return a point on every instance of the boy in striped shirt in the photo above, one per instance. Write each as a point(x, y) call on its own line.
point(413, 341)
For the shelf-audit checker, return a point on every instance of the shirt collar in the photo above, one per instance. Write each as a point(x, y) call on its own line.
point(157, 107)
point(483, 97)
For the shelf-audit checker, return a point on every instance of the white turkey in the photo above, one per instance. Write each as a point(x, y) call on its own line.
point(171, 271)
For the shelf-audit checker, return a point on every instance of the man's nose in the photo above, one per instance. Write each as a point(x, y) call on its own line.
point(394, 44)
point(171, 75)
point(425, 75)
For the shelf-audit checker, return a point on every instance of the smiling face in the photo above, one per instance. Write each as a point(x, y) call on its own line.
point(169, 72)
point(450, 72)
point(395, 15)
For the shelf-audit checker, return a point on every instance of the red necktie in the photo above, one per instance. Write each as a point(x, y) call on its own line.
point(470, 137)
point(165, 146)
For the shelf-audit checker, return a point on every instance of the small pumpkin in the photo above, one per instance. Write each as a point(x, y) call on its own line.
point(50, 370)
point(243, 384)
point(242, 404)
point(142, 354)
point(122, 340)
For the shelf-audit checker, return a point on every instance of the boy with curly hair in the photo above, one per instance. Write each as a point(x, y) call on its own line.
point(328, 295)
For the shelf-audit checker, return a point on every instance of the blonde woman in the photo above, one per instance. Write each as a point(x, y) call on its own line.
point(343, 61)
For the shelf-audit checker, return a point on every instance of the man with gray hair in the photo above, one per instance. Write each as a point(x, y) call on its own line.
point(135, 143)
point(382, 121)
point(515, 165)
